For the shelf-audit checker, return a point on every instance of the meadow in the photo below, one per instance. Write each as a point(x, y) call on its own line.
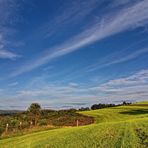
point(116, 127)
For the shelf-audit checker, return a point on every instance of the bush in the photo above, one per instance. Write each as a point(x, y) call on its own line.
point(14, 122)
point(84, 109)
point(25, 124)
point(42, 122)
point(1, 130)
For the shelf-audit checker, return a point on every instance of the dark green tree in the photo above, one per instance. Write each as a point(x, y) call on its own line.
point(34, 112)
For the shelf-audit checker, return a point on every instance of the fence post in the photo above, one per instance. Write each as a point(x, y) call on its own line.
point(7, 125)
point(77, 123)
point(20, 125)
point(30, 124)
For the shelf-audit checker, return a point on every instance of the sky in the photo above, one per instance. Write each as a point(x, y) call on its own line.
point(72, 54)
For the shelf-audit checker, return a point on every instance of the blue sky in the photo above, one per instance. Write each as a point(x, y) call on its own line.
point(72, 53)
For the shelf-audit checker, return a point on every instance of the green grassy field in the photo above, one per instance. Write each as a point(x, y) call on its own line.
point(118, 127)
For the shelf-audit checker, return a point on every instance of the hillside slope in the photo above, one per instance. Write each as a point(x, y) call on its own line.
point(124, 126)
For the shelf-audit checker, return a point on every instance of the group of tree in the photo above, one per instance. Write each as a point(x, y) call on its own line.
point(100, 105)
point(37, 117)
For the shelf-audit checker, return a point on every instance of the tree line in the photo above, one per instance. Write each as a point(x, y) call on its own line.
point(102, 105)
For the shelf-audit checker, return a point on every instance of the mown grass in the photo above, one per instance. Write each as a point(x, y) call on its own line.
point(144, 102)
point(118, 127)
point(120, 113)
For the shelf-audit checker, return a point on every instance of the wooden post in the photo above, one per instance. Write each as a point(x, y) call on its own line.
point(7, 125)
point(20, 125)
point(30, 124)
point(77, 123)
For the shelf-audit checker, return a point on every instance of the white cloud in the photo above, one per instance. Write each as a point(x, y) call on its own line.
point(13, 84)
point(116, 58)
point(133, 87)
point(140, 78)
point(70, 12)
point(8, 8)
point(116, 3)
point(8, 17)
point(4, 54)
point(128, 18)
point(1, 90)
point(73, 84)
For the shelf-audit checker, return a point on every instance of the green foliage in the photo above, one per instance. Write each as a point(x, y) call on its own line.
point(34, 108)
point(14, 122)
point(100, 106)
point(43, 122)
point(34, 112)
point(41, 118)
point(2, 129)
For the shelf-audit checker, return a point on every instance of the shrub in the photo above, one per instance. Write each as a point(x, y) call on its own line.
point(1, 130)
point(42, 122)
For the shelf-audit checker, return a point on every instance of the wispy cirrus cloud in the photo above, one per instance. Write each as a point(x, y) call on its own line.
point(7, 8)
point(138, 78)
point(124, 19)
point(70, 13)
point(8, 17)
point(116, 3)
point(117, 58)
point(133, 87)
point(13, 84)
point(4, 54)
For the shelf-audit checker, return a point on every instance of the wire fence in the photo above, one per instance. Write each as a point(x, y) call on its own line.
point(10, 127)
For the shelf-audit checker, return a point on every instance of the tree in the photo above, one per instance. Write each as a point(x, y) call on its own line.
point(34, 112)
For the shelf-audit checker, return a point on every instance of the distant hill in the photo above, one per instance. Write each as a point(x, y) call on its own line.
point(9, 112)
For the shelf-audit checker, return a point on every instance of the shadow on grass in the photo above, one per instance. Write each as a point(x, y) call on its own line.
point(135, 112)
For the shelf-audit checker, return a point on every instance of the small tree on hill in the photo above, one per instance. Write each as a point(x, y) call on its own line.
point(34, 112)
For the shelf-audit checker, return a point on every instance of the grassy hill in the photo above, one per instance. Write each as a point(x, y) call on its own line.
point(117, 127)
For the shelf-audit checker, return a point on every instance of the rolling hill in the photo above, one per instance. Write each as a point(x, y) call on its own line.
point(116, 127)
